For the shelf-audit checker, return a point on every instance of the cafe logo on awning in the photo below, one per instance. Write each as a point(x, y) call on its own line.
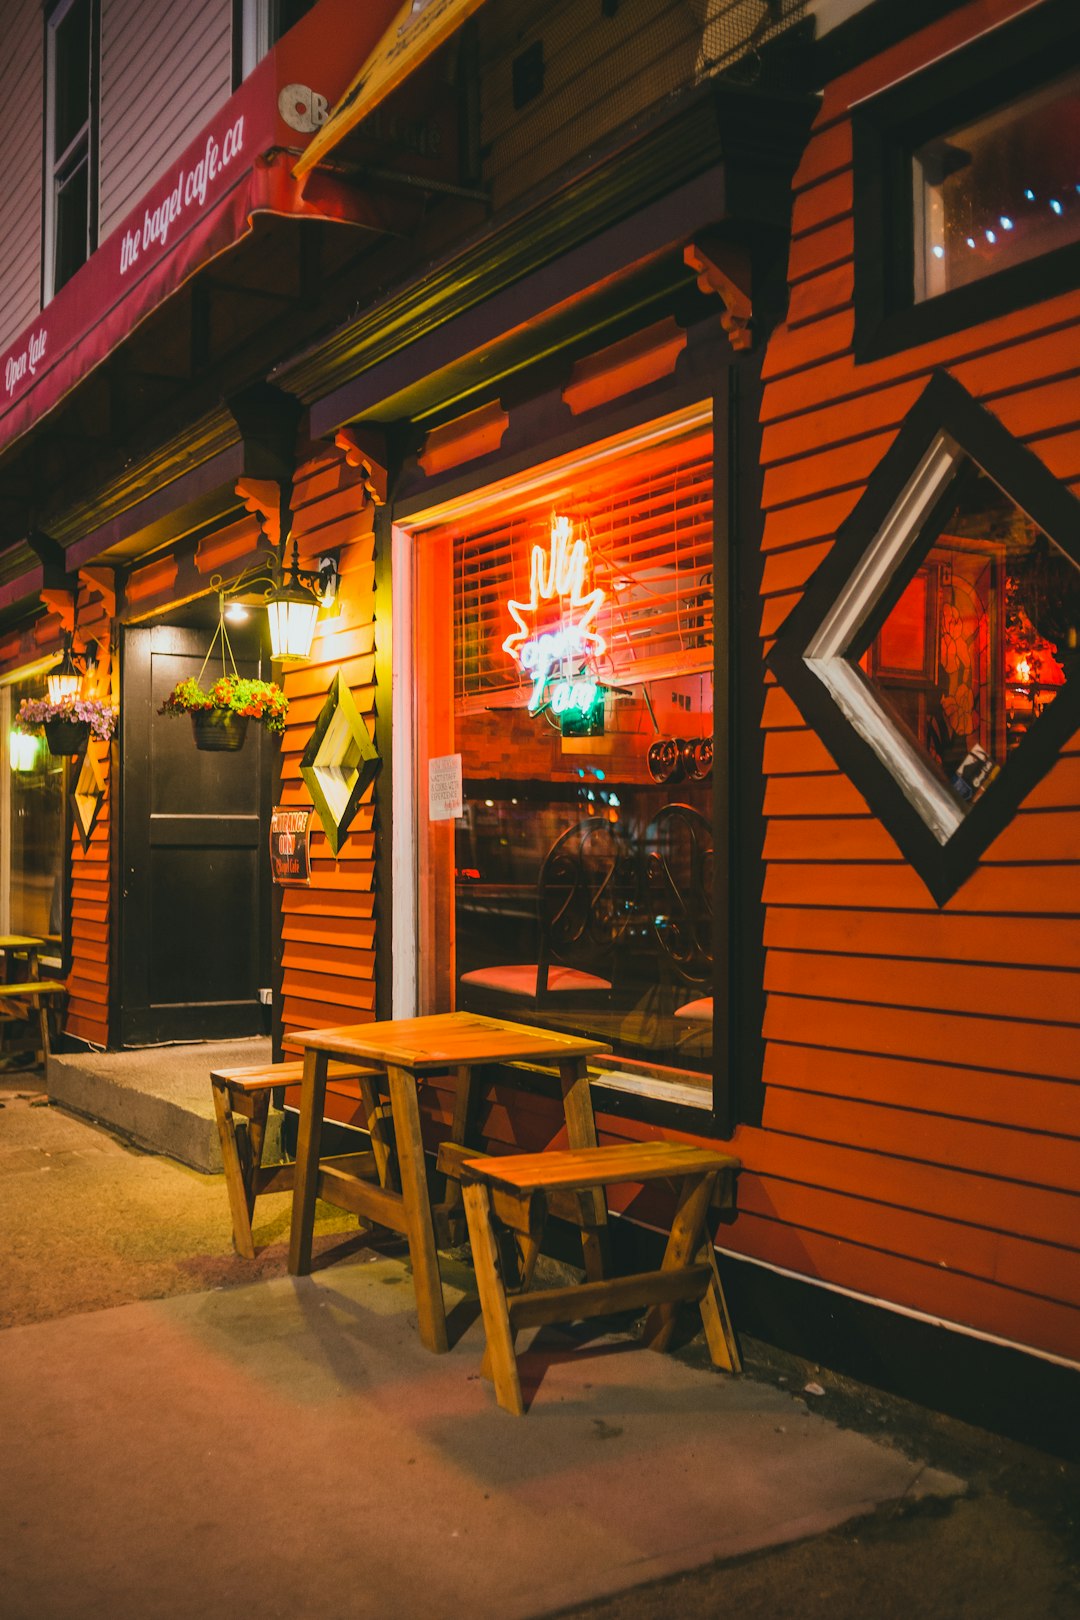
point(556, 638)
point(25, 364)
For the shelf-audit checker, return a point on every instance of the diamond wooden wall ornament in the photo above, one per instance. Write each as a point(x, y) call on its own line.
point(88, 795)
point(339, 763)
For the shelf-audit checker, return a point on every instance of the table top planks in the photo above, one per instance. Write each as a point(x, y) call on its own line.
point(444, 1040)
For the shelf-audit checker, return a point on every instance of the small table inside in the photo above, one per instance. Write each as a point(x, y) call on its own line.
point(409, 1049)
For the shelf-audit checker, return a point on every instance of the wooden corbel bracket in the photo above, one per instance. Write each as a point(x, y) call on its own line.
point(102, 580)
point(62, 603)
point(262, 498)
point(725, 270)
point(366, 450)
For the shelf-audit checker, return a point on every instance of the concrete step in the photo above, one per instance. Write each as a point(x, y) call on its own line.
point(159, 1097)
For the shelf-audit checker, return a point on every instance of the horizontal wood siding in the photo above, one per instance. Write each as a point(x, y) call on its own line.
point(921, 1134)
point(328, 930)
point(22, 49)
point(89, 980)
point(165, 70)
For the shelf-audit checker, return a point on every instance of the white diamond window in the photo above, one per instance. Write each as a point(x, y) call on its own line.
point(952, 637)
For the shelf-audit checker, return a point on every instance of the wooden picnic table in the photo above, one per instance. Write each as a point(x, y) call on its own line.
point(409, 1050)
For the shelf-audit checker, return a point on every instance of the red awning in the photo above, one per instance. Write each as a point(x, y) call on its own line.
point(206, 201)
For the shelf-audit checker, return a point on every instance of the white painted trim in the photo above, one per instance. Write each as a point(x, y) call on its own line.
point(48, 245)
point(904, 1310)
point(405, 836)
point(647, 1085)
point(522, 486)
point(826, 653)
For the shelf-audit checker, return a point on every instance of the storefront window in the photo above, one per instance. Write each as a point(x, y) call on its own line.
point(580, 662)
point(998, 192)
point(36, 829)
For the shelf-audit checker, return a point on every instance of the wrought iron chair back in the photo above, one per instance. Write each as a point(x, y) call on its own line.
point(585, 898)
point(679, 883)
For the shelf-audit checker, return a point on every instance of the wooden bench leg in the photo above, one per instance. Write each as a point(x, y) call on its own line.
point(715, 1318)
point(528, 1252)
point(684, 1241)
point(43, 1026)
point(238, 1186)
point(581, 1133)
point(499, 1354)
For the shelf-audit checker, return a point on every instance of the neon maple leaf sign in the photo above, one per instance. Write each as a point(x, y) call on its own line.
point(555, 575)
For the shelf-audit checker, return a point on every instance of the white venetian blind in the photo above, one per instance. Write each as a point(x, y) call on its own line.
point(647, 519)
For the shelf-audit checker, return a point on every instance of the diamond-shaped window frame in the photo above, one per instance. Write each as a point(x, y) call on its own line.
point(339, 763)
point(877, 552)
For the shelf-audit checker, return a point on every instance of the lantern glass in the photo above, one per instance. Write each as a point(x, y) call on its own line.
point(64, 681)
point(292, 612)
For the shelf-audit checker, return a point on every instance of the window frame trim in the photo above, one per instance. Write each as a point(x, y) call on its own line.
point(728, 1105)
point(944, 410)
point(52, 162)
point(999, 67)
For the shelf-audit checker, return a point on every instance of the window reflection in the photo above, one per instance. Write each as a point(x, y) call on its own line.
point(982, 638)
point(998, 192)
point(583, 885)
point(583, 714)
point(36, 788)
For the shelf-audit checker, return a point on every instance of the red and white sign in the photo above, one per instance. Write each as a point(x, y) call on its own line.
point(205, 201)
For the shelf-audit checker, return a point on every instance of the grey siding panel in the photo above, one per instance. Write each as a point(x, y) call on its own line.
point(22, 35)
point(164, 72)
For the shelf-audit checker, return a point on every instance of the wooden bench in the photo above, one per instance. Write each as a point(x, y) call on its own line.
point(244, 1094)
point(514, 1193)
point(30, 998)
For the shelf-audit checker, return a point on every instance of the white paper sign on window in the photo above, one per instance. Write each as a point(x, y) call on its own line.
point(444, 788)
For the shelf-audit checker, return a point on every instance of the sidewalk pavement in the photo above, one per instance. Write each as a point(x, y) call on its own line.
point(251, 1442)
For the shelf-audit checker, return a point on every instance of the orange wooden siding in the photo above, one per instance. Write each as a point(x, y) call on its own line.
point(921, 1134)
point(328, 930)
point(88, 982)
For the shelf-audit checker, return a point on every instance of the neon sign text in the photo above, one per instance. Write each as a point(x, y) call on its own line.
point(569, 696)
point(556, 575)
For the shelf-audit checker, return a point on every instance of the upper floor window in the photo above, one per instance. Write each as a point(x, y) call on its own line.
point(260, 24)
point(1000, 191)
point(966, 199)
point(70, 157)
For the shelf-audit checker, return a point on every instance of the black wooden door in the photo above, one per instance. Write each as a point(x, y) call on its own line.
point(195, 889)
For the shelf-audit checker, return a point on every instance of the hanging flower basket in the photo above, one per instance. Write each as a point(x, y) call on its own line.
point(67, 723)
point(66, 736)
point(218, 730)
point(220, 713)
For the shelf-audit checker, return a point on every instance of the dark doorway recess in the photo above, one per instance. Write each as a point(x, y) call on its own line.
point(195, 881)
